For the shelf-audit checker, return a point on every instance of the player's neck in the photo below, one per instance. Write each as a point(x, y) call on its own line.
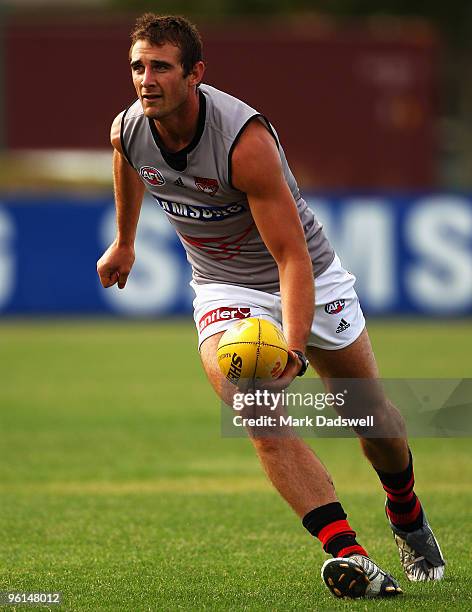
point(177, 130)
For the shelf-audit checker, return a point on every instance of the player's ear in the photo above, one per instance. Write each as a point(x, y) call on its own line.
point(196, 74)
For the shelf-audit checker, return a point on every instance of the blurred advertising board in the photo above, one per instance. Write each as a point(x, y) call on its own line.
point(412, 254)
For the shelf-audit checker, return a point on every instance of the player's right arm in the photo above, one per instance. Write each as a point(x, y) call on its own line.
point(115, 264)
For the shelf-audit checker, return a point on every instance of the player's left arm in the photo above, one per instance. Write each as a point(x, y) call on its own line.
point(257, 171)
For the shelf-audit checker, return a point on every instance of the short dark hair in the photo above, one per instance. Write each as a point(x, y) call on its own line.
point(160, 29)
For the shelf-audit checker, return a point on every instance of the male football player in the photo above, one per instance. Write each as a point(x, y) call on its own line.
point(217, 169)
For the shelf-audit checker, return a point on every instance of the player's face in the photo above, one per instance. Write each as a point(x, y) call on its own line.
point(158, 77)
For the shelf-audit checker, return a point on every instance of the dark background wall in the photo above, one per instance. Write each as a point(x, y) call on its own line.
point(354, 106)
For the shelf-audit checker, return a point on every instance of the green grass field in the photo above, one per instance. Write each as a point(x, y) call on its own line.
point(117, 489)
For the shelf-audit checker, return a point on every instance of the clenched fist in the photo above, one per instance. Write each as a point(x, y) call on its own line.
point(115, 265)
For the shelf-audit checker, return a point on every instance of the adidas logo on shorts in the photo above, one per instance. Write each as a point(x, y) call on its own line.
point(343, 325)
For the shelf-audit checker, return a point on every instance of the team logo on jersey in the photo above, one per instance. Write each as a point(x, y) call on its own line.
point(209, 186)
point(222, 314)
point(335, 307)
point(152, 176)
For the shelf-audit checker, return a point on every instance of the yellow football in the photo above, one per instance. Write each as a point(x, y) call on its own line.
point(252, 348)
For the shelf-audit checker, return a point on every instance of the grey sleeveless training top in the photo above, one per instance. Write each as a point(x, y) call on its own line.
point(194, 189)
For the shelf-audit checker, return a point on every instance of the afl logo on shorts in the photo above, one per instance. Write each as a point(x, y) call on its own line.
point(152, 176)
point(335, 307)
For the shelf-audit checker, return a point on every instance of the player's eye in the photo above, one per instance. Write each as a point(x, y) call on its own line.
point(161, 67)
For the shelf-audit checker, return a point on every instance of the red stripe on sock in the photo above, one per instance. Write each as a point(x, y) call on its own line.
point(403, 490)
point(402, 499)
point(334, 529)
point(353, 550)
point(336, 535)
point(404, 519)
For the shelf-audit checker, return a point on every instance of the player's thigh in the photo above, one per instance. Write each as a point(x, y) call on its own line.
point(354, 361)
point(208, 355)
point(353, 368)
point(227, 390)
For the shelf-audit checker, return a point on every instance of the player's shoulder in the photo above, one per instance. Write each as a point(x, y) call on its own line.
point(226, 113)
point(134, 110)
point(218, 95)
point(132, 113)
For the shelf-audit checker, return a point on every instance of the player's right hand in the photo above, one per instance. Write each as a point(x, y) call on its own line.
point(288, 375)
point(115, 265)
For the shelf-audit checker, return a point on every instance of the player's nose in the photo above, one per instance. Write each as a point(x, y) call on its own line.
point(148, 79)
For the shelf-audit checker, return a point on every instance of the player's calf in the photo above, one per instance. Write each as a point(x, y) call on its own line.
point(420, 555)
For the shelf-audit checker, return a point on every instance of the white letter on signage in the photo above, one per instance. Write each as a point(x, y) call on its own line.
point(439, 231)
point(366, 246)
point(7, 264)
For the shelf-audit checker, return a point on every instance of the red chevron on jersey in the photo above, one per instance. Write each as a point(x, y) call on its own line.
point(220, 248)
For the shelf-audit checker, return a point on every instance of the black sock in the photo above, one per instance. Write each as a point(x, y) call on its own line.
point(403, 507)
point(328, 523)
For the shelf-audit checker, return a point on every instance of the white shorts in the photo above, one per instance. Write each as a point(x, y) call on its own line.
point(338, 319)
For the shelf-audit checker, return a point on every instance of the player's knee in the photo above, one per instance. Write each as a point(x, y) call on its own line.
point(268, 444)
point(380, 449)
point(276, 444)
point(387, 422)
point(224, 389)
